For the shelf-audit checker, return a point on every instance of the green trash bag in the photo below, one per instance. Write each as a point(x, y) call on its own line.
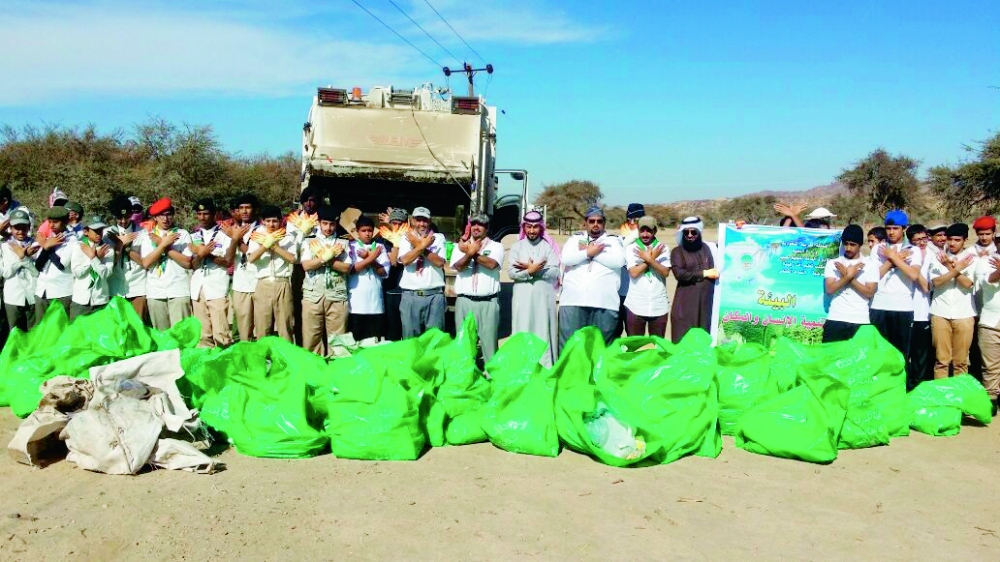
point(520, 414)
point(743, 373)
point(463, 390)
point(414, 365)
point(936, 407)
point(56, 347)
point(641, 401)
point(803, 423)
point(371, 415)
point(263, 408)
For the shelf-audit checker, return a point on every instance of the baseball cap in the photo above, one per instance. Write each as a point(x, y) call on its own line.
point(94, 222)
point(421, 212)
point(19, 216)
point(647, 222)
point(58, 213)
point(398, 214)
point(135, 201)
point(74, 206)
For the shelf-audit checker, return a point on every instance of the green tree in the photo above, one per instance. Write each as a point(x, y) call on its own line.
point(570, 199)
point(972, 187)
point(883, 181)
point(754, 209)
point(851, 210)
point(158, 159)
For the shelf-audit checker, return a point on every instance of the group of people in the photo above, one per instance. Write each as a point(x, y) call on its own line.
point(260, 272)
point(931, 294)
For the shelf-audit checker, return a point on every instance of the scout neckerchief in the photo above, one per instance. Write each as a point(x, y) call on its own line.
point(94, 277)
point(652, 244)
point(161, 266)
point(475, 264)
point(420, 259)
point(124, 262)
point(358, 243)
point(328, 279)
point(210, 243)
point(243, 256)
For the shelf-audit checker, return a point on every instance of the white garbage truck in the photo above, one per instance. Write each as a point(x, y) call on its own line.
point(391, 147)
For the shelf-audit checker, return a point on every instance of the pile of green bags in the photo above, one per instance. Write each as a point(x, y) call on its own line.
point(640, 401)
point(58, 347)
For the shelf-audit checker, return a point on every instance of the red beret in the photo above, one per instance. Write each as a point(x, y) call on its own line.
point(160, 206)
point(985, 223)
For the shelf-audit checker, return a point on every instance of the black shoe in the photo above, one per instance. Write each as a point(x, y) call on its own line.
point(994, 403)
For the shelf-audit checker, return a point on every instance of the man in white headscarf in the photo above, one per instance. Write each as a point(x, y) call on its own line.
point(534, 268)
point(694, 263)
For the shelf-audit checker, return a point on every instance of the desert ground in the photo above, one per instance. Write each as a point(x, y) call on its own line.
point(920, 498)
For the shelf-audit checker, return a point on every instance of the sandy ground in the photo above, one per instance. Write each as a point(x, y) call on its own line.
point(920, 498)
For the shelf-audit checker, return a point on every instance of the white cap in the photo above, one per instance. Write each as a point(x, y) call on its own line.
point(820, 213)
point(421, 212)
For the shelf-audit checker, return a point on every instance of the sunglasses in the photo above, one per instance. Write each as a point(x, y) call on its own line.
point(595, 221)
point(919, 239)
point(690, 233)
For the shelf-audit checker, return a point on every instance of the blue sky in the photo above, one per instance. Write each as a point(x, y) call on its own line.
point(655, 101)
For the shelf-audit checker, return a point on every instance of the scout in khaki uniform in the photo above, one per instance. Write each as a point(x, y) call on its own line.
point(213, 254)
point(273, 254)
point(327, 263)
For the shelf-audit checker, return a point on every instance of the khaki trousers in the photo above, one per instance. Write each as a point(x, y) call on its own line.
point(273, 308)
point(214, 317)
point(320, 320)
point(242, 306)
point(164, 313)
point(989, 346)
point(952, 340)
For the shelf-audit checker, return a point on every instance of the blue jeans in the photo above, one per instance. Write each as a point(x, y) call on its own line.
point(572, 318)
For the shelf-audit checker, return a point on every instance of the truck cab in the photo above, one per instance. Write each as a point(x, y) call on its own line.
point(391, 147)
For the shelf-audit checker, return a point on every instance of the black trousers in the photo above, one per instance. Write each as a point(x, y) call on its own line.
point(835, 330)
point(393, 325)
point(920, 363)
point(365, 326)
point(895, 326)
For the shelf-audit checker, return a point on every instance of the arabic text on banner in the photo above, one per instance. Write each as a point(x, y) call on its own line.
point(771, 283)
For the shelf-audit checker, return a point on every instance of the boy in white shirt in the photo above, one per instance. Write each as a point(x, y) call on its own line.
point(273, 254)
point(953, 311)
point(244, 272)
point(477, 284)
point(55, 279)
point(850, 282)
point(371, 266)
point(899, 267)
point(647, 261)
point(166, 257)
point(213, 254)
point(920, 365)
point(92, 262)
point(128, 277)
point(327, 264)
point(19, 273)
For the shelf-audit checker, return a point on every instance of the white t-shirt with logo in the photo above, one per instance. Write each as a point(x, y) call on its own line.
point(421, 274)
point(895, 289)
point(479, 281)
point(847, 304)
point(647, 294)
point(951, 300)
point(210, 278)
point(166, 279)
point(365, 288)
